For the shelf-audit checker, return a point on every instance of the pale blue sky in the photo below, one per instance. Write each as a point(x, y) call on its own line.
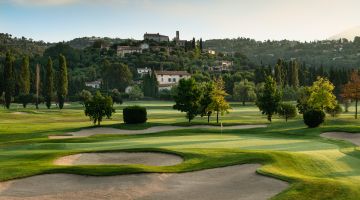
point(57, 20)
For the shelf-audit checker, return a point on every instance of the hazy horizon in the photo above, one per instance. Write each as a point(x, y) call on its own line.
point(63, 20)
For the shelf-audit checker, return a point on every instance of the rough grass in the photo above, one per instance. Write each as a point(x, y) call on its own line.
point(317, 168)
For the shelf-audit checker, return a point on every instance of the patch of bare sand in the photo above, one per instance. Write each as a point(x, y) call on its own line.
point(146, 158)
point(350, 137)
point(228, 183)
point(20, 113)
point(105, 131)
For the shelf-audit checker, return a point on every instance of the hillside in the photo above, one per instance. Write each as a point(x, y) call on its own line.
point(329, 53)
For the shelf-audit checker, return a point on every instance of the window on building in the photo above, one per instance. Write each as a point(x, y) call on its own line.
point(174, 79)
point(162, 79)
point(169, 79)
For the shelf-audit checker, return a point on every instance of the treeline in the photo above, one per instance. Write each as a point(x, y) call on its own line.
point(331, 53)
point(23, 83)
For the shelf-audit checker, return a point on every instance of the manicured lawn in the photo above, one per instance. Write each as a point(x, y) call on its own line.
point(317, 168)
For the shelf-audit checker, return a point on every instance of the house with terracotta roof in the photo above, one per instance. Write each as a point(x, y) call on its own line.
point(167, 79)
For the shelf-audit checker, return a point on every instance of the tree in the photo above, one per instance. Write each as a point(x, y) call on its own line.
point(321, 94)
point(98, 107)
point(37, 85)
point(295, 74)
point(62, 86)
point(206, 99)
point(9, 79)
point(218, 103)
point(287, 111)
point(85, 96)
point(150, 85)
point(136, 93)
point(278, 72)
point(302, 101)
point(269, 99)
point(334, 112)
point(24, 81)
point(244, 91)
point(116, 96)
point(187, 98)
point(351, 90)
point(49, 83)
point(116, 75)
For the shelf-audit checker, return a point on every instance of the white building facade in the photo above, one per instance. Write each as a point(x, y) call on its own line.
point(167, 79)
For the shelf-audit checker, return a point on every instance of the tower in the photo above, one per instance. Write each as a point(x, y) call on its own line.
point(177, 35)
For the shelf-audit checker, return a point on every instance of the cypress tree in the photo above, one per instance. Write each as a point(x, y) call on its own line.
point(25, 76)
point(24, 82)
point(154, 85)
point(62, 86)
point(278, 73)
point(49, 83)
point(9, 80)
point(295, 74)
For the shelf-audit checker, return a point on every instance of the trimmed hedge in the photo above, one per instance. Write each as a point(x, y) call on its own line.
point(313, 118)
point(134, 115)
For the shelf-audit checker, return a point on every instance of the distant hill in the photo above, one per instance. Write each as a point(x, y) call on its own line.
point(81, 43)
point(349, 34)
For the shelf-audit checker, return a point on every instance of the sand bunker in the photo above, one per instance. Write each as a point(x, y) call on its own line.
point(101, 130)
point(234, 182)
point(350, 137)
point(155, 159)
point(20, 113)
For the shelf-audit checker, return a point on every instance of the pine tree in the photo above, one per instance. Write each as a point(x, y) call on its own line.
point(62, 86)
point(9, 80)
point(49, 83)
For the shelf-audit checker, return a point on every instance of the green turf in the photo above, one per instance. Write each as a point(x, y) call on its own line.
point(317, 168)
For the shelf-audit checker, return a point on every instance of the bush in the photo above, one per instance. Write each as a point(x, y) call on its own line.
point(313, 118)
point(334, 112)
point(136, 93)
point(134, 115)
point(287, 111)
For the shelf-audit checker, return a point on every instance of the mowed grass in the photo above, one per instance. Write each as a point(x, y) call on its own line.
point(317, 168)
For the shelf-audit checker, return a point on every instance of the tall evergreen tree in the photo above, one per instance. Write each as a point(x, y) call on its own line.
point(24, 82)
point(201, 45)
point(62, 86)
point(269, 99)
point(278, 72)
point(49, 83)
point(295, 74)
point(9, 79)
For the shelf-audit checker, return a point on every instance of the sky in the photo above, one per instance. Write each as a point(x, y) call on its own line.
point(63, 20)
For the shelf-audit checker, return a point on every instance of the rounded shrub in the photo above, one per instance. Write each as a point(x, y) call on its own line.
point(313, 118)
point(134, 115)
